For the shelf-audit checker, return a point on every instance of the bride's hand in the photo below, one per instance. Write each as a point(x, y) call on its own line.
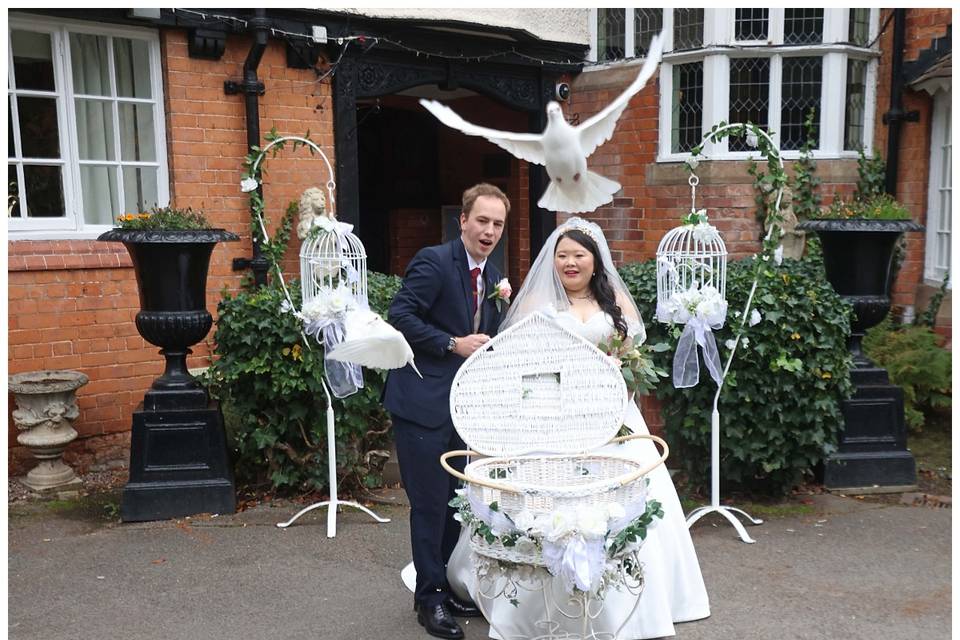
point(468, 344)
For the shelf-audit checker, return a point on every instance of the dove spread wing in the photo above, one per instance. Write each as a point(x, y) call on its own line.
point(525, 146)
point(599, 128)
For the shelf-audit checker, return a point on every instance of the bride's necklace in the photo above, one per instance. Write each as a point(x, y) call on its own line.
point(589, 296)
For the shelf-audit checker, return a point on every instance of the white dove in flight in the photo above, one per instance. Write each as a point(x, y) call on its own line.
point(563, 149)
point(371, 342)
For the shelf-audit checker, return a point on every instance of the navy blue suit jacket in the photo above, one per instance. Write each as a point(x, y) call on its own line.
point(433, 304)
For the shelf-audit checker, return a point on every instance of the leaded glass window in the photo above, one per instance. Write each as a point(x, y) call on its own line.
point(802, 26)
point(855, 104)
point(687, 112)
point(749, 94)
point(859, 27)
point(751, 24)
point(800, 91)
point(611, 34)
point(687, 29)
point(646, 24)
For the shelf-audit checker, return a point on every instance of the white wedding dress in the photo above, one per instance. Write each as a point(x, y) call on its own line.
point(673, 585)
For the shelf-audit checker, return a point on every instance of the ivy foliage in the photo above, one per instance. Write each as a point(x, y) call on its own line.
point(915, 362)
point(780, 405)
point(269, 381)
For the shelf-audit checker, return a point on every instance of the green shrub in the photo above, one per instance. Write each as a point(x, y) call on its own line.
point(780, 406)
point(270, 384)
point(912, 356)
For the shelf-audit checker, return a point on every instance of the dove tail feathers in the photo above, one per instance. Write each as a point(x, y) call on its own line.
point(595, 191)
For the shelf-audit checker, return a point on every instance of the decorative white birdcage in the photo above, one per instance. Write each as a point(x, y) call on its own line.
point(541, 401)
point(332, 258)
point(691, 263)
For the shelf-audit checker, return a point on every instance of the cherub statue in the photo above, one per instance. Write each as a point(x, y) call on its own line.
point(313, 204)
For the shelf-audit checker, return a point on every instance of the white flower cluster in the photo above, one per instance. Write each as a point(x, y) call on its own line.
point(705, 305)
point(329, 304)
point(705, 233)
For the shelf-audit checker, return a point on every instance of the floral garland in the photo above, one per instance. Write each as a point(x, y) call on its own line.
point(587, 547)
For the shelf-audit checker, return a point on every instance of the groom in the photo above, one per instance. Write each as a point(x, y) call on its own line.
point(445, 312)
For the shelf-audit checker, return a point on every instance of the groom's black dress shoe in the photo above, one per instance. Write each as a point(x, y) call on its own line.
point(438, 621)
point(462, 609)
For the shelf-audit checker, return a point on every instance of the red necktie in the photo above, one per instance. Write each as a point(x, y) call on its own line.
point(475, 276)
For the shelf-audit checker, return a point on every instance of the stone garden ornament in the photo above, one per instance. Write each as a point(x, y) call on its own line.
point(561, 148)
point(46, 407)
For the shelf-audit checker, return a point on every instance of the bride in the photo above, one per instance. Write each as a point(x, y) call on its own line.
point(574, 280)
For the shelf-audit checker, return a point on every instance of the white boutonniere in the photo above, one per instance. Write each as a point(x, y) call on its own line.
point(501, 294)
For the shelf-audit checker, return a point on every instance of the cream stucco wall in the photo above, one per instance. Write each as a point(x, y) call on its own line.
point(560, 25)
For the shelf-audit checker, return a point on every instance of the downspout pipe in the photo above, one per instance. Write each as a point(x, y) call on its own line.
point(895, 117)
point(252, 89)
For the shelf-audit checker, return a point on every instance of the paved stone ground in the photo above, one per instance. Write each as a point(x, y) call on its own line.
point(851, 570)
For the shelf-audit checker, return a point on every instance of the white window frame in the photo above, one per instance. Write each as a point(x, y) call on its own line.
point(932, 273)
point(72, 225)
point(720, 46)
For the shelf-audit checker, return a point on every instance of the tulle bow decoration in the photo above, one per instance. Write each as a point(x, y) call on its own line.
point(702, 310)
point(325, 315)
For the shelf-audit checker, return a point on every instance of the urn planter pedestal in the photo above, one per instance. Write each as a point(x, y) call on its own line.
point(872, 454)
point(179, 464)
point(46, 407)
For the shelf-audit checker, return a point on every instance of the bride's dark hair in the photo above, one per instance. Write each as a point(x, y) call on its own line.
point(599, 283)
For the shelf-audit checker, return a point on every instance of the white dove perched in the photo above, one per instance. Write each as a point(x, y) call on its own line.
point(563, 149)
point(371, 342)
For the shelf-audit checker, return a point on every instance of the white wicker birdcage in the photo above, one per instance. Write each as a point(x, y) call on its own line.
point(537, 387)
point(691, 257)
point(332, 257)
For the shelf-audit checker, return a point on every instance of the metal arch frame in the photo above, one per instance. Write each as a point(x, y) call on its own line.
point(729, 512)
point(334, 502)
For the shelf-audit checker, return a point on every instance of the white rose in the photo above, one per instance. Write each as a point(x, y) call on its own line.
point(730, 344)
point(752, 140)
point(615, 511)
point(592, 521)
point(525, 520)
point(778, 255)
point(745, 341)
point(755, 317)
point(249, 184)
point(560, 524)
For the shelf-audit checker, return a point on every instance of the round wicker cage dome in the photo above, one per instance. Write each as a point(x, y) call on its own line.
point(690, 256)
point(329, 259)
point(537, 387)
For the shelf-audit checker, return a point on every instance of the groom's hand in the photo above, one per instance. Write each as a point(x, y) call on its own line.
point(468, 344)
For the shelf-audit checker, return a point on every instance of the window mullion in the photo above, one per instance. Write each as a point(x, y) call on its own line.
point(629, 34)
point(836, 25)
point(716, 99)
point(776, 26)
point(592, 56)
point(718, 26)
point(776, 96)
point(869, 105)
point(115, 108)
point(667, 30)
point(833, 103)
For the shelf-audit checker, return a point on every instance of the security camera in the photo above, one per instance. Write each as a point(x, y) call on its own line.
point(562, 91)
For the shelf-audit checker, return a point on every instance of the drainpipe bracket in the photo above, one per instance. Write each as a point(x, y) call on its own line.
point(232, 87)
point(905, 116)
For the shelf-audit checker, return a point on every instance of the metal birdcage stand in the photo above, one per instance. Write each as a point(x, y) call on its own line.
point(706, 264)
point(327, 257)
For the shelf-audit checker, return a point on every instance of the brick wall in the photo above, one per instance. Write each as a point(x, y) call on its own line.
point(72, 303)
point(922, 27)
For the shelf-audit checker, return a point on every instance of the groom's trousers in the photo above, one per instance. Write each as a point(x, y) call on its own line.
point(433, 531)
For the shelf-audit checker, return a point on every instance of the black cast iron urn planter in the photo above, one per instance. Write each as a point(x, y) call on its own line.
point(872, 452)
point(178, 455)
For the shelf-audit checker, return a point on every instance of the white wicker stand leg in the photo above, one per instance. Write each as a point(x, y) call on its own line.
point(715, 505)
point(333, 503)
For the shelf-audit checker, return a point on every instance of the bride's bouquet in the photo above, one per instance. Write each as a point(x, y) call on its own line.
point(636, 363)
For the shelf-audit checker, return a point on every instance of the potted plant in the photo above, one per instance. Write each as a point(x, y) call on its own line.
point(178, 461)
point(858, 240)
point(170, 249)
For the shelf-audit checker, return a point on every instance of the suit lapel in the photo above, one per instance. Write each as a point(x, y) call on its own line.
point(463, 273)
